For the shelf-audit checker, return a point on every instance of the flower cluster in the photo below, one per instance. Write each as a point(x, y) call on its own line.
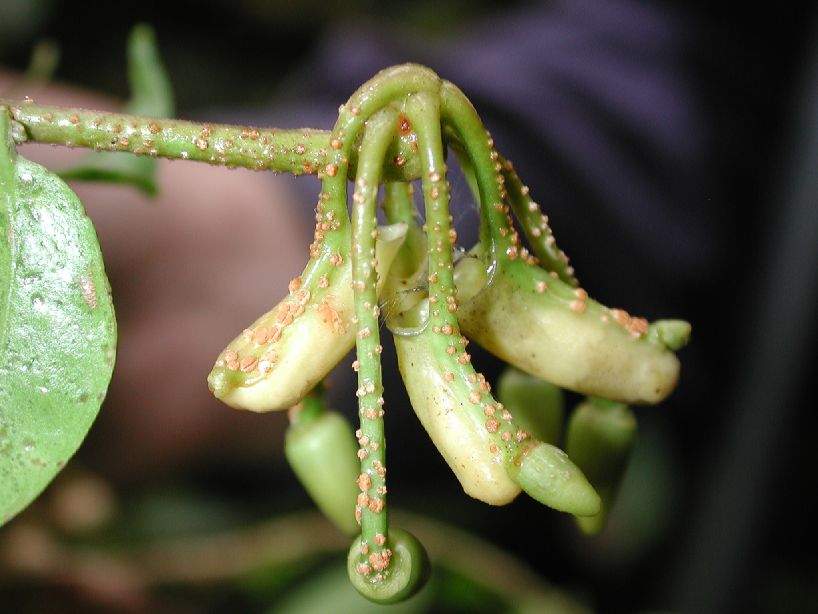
point(523, 304)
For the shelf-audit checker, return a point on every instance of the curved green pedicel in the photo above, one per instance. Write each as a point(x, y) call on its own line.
point(599, 439)
point(476, 436)
point(371, 505)
point(497, 234)
point(285, 352)
point(321, 449)
point(408, 565)
point(493, 181)
point(534, 320)
point(57, 327)
point(535, 226)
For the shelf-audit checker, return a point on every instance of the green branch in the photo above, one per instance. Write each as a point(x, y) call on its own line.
point(297, 151)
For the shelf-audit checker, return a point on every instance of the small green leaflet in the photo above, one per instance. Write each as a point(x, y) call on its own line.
point(151, 96)
point(57, 327)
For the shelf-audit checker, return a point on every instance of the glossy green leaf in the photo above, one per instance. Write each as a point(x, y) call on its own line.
point(151, 96)
point(57, 328)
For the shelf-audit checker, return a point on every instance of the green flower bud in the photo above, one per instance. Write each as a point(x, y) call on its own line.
point(321, 449)
point(537, 405)
point(392, 574)
point(546, 474)
point(600, 437)
point(673, 334)
point(547, 328)
point(292, 347)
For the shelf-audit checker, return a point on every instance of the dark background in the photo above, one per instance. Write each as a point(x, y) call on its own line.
point(674, 149)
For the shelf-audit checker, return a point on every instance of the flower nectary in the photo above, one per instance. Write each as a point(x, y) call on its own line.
point(273, 363)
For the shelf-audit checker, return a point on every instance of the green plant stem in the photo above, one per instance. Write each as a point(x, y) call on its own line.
point(399, 206)
point(298, 151)
point(535, 226)
point(424, 112)
point(379, 132)
point(291, 151)
point(311, 408)
point(496, 229)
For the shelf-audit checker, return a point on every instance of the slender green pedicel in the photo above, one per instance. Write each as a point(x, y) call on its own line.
point(497, 234)
point(384, 566)
point(535, 225)
point(476, 435)
point(406, 283)
point(370, 510)
point(534, 320)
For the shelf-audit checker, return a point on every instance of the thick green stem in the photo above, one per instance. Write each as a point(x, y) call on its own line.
point(371, 508)
point(298, 151)
point(291, 151)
